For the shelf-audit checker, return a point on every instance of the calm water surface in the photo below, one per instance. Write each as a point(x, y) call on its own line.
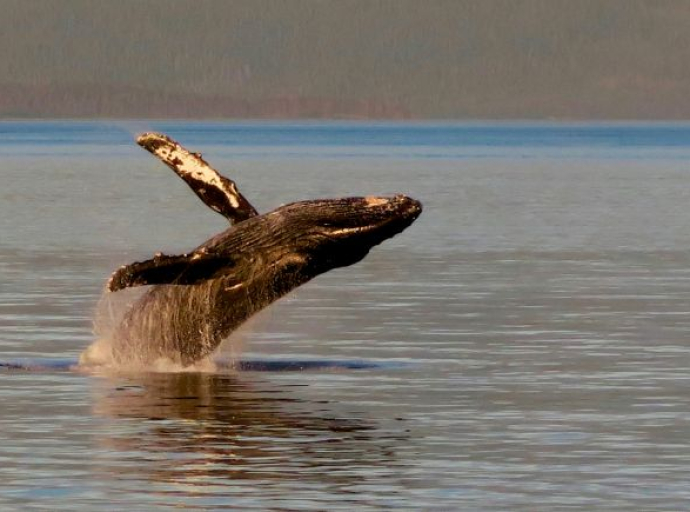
point(523, 346)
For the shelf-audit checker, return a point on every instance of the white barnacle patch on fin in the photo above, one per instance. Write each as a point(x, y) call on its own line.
point(215, 190)
point(189, 164)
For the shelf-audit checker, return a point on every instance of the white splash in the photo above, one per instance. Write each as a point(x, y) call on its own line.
point(98, 357)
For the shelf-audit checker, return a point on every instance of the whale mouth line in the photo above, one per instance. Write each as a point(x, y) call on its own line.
point(407, 210)
point(223, 366)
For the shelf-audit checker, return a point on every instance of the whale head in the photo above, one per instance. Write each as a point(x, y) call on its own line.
point(330, 233)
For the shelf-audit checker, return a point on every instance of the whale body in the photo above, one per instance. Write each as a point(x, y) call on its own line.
point(197, 299)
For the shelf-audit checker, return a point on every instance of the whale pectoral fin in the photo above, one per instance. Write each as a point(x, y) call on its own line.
point(183, 269)
point(215, 190)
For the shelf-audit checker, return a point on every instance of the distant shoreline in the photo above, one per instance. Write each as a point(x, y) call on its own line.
point(123, 102)
point(21, 102)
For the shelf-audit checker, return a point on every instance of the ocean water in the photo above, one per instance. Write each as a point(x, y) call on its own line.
point(523, 346)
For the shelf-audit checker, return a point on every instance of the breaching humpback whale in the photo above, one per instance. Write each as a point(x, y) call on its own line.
point(200, 297)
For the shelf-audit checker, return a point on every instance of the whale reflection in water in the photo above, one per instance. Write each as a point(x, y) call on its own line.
point(198, 428)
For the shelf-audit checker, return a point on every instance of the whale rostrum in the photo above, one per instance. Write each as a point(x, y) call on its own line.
point(198, 298)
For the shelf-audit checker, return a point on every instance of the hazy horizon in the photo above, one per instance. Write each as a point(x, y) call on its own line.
point(401, 59)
